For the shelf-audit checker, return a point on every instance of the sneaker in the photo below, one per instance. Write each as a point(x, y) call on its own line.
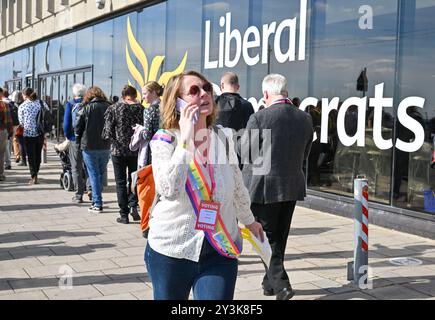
point(95, 209)
point(77, 199)
point(135, 214)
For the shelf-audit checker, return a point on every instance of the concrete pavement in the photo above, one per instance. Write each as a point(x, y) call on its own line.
point(45, 239)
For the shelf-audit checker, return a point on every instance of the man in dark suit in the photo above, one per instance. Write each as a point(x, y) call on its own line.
point(283, 134)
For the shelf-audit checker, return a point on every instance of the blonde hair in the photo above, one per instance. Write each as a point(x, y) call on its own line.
point(169, 116)
point(154, 86)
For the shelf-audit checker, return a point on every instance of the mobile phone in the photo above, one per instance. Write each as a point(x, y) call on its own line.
point(182, 104)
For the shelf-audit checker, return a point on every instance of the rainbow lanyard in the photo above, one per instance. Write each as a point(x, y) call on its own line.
point(198, 190)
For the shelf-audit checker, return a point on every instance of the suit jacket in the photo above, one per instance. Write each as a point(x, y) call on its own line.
point(291, 136)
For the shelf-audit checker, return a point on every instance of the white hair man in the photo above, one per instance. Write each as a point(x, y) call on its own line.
point(274, 193)
point(75, 154)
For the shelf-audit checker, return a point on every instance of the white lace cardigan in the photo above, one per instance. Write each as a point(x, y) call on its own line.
point(172, 223)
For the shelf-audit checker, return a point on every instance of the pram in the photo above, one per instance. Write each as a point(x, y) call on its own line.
point(66, 179)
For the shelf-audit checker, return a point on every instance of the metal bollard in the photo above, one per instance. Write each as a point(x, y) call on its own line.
point(358, 269)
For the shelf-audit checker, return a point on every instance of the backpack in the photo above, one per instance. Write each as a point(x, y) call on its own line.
point(75, 109)
point(231, 113)
point(146, 194)
point(44, 119)
point(14, 113)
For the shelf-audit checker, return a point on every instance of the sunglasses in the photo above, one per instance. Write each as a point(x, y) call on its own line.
point(195, 90)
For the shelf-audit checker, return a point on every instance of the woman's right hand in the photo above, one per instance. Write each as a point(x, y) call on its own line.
point(186, 123)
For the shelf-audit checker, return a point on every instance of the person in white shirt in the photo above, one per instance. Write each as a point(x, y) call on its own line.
point(194, 238)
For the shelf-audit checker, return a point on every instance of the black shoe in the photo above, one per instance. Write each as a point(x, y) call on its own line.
point(285, 294)
point(8, 168)
point(135, 214)
point(122, 220)
point(268, 292)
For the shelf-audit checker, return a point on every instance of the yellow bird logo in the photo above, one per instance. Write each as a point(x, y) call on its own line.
point(148, 74)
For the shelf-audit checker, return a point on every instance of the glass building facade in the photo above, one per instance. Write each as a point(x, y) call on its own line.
point(321, 46)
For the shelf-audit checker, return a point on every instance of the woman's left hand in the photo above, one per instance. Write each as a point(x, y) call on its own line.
point(257, 230)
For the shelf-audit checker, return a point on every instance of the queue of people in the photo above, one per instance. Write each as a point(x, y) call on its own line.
point(194, 239)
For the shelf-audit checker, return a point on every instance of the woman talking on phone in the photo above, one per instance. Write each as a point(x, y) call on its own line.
point(194, 238)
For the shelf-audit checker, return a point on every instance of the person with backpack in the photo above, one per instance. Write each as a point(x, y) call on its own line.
point(182, 252)
point(234, 111)
point(120, 118)
point(95, 148)
point(30, 114)
point(75, 154)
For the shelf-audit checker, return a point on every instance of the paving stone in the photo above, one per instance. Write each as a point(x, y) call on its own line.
point(129, 261)
point(120, 286)
point(331, 286)
point(94, 265)
point(60, 260)
point(31, 252)
point(19, 263)
point(76, 293)
point(133, 251)
point(13, 273)
point(86, 278)
point(5, 288)
point(396, 293)
point(24, 285)
point(102, 254)
point(307, 291)
point(251, 295)
point(127, 273)
point(116, 297)
point(146, 294)
point(30, 295)
point(45, 271)
point(355, 295)
point(249, 283)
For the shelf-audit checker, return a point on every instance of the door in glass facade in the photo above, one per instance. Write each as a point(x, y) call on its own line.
point(56, 90)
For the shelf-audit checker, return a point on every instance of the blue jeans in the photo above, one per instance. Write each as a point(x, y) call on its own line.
point(212, 278)
point(96, 164)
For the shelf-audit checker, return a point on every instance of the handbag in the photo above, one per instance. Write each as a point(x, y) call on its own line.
point(19, 132)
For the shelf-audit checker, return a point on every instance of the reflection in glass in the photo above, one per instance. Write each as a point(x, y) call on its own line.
point(102, 56)
point(339, 51)
point(84, 47)
point(414, 178)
